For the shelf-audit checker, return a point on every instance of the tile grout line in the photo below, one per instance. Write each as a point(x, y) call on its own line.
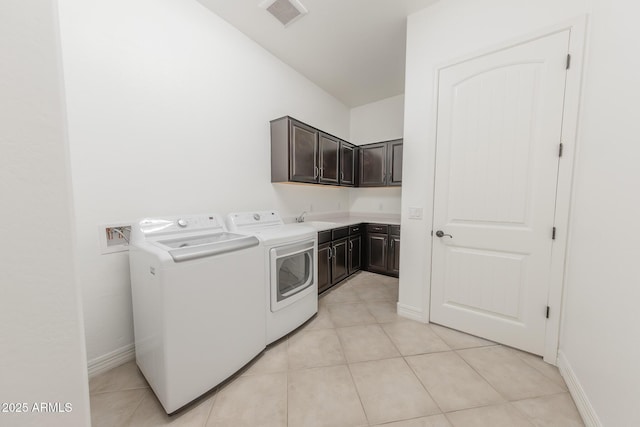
point(287, 374)
point(215, 398)
point(138, 406)
point(97, 393)
point(523, 361)
point(534, 366)
point(364, 411)
point(340, 340)
point(286, 401)
point(478, 372)
point(526, 417)
point(421, 383)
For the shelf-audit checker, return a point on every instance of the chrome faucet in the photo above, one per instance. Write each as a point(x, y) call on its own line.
point(301, 217)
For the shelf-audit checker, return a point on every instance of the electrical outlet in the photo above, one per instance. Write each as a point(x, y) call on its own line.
point(114, 238)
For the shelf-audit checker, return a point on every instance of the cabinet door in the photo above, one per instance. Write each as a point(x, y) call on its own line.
point(395, 163)
point(339, 260)
point(347, 164)
point(324, 267)
point(377, 252)
point(303, 153)
point(373, 165)
point(355, 253)
point(329, 149)
point(394, 255)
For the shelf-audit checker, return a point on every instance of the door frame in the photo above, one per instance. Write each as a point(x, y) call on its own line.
point(564, 191)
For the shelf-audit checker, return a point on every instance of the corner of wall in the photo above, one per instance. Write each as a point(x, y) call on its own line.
point(585, 408)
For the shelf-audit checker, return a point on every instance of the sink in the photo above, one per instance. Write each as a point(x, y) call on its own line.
point(322, 225)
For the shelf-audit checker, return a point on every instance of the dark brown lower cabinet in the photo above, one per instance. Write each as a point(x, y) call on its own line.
point(339, 255)
point(339, 260)
point(383, 249)
point(344, 251)
point(355, 253)
point(394, 255)
point(377, 252)
point(324, 267)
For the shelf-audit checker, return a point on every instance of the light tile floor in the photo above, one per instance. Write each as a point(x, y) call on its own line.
point(359, 364)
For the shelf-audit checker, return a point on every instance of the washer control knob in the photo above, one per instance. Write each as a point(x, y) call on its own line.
point(182, 222)
point(256, 217)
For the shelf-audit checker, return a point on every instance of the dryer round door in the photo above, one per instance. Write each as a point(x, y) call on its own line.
point(292, 273)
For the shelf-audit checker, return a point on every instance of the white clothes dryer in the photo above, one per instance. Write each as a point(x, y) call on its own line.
point(198, 304)
point(290, 268)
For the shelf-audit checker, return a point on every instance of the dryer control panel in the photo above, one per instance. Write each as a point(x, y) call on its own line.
point(250, 220)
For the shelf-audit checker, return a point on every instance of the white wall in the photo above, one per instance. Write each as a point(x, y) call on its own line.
point(377, 121)
point(374, 122)
point(601, 330)
point(169, 110)
point(600, 322)
point(42, 357)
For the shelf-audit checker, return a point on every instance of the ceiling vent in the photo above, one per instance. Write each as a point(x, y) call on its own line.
point(285, 11)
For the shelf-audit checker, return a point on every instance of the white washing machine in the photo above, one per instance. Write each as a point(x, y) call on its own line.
point(198, 304)
point(290, 268)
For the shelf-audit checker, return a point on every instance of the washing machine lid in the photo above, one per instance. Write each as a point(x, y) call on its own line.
point(148, 229)
point(205, 245)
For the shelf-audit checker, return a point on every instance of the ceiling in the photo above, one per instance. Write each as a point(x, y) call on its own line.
point(353, 49)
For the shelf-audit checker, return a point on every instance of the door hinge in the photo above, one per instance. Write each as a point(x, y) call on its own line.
point(560, 149)
point(568, 61)
point(547, 312)
point(553, 234)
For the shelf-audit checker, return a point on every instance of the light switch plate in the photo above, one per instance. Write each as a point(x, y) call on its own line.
point(415, 213)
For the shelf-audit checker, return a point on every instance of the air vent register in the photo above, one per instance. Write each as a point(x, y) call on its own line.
point(285, 11)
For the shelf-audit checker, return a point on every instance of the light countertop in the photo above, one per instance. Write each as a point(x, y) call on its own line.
point(328, 221)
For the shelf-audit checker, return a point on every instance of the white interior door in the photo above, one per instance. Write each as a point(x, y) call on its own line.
point(499, 128)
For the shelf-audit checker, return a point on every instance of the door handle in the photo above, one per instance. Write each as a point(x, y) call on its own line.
point(341, 175)
point(329, 254)
point(315, 172)
point(350, 245)
point(441, 234)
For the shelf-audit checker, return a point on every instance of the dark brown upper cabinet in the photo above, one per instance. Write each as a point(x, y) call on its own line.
point(302, 153)
point(373, 165)
point(381, 164)
point(348, 164)
point(394, 150)
point(294, 151)
point(329, 153)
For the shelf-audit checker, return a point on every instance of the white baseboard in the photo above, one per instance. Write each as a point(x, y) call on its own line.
point(111, 360)
point(585, 409)
point(411, 312)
